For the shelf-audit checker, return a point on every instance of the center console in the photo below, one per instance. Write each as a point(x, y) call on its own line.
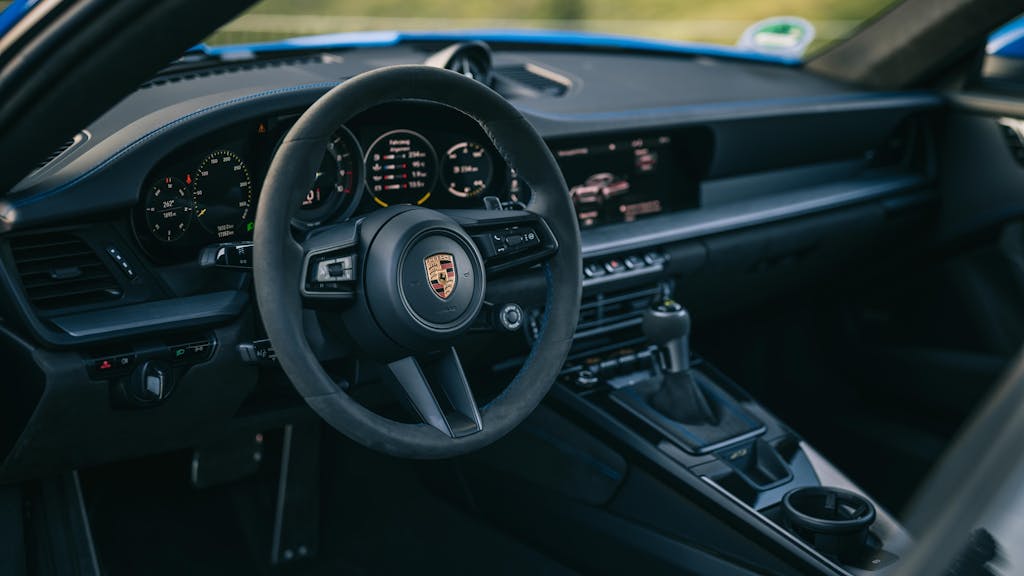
point(633, 382)
point(640, 373)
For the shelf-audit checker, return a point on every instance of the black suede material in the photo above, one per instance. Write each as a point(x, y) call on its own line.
point(681, 399)
point(730, 421)
point(277, 258)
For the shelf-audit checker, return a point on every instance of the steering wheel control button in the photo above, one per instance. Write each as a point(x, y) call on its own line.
point(335, 270)
point(510, 241)
point(510, 317)
point(331, 272)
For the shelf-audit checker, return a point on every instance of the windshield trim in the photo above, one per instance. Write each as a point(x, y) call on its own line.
point(563, 38)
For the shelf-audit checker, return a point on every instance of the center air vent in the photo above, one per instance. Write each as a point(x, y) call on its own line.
point(471, 59)
point(59, 270)
point(529, 81)
point(617, 309)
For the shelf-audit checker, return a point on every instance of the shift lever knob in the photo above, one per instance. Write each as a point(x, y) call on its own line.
point(667, 325)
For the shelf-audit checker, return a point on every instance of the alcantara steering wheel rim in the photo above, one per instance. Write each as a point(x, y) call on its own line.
point(389, 308)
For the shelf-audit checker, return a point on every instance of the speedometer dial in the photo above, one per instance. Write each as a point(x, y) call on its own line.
point(223, 194)
point(467, 169)
point(400, 168)
point(168, 209)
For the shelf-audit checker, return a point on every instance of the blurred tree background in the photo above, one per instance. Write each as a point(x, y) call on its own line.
point(714, 21)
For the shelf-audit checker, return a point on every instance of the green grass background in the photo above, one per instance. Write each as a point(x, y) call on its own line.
point(715, 21)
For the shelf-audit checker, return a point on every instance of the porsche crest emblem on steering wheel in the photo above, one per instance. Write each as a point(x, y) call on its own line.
point(440, 269)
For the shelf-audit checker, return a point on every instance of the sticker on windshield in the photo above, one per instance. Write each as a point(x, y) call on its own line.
point(787, 36)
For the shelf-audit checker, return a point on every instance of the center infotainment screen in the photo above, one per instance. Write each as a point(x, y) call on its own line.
point(620, 180)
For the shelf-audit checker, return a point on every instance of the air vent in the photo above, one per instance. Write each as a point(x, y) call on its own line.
point(471, 59)
point(64, 147)
point(59, 270)
point(529, 80)
point(616, 309)
point(172, 77)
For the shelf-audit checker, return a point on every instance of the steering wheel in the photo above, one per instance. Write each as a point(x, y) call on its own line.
point(406, 281)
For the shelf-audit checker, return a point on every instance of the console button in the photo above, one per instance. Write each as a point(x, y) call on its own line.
point(593, 270)
point(654, 258)
point(586, 379)
point(123, 264)
point(151, 382)
point(191, 352)
point(614, 266)
point(511, 317)
point(633, 262)
point(109, 366)
point(609, 366)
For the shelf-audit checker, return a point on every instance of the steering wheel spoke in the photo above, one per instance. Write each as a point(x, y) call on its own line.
point(507, 239)
point(329, 270)
point(438, 392)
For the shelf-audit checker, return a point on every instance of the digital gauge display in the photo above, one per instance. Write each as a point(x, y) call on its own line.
point(467, 169)
point(401, 168)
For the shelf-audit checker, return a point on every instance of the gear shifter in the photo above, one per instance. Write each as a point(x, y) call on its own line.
point(667, 325)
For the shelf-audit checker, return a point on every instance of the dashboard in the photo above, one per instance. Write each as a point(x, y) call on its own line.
point(675, 167)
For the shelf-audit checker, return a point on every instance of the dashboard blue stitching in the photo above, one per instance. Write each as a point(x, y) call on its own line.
point(149, 135)
point(798, 103)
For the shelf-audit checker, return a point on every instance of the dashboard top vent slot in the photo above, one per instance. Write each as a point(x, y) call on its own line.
point(59, 270)
point(62, 149)
point(170, 76)
point(529, 81)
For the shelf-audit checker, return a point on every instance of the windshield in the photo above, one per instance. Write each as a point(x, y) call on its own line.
point(713, 22)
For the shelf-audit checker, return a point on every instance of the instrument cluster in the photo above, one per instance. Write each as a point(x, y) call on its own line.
point(207, 191)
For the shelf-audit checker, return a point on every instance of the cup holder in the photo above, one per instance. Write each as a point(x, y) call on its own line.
point(834, 521)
